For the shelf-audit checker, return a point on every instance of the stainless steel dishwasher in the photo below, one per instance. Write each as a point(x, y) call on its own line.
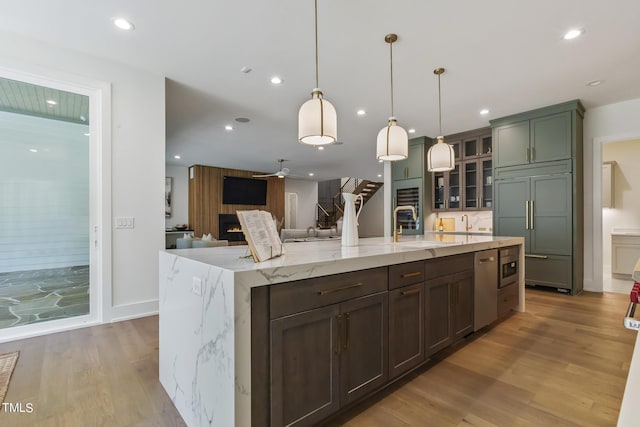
point(485, 285)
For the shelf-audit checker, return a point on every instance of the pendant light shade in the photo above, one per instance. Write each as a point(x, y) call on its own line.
point(317, 121)
point(317, 118)
point(440, 157)
point(393, 141)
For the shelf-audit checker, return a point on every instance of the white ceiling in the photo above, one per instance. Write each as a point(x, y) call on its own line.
point(505, 55)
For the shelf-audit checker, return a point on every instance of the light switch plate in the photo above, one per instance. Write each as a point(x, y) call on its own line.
point(196, 286)
point(125, 222)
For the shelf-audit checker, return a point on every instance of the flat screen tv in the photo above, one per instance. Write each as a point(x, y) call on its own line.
point(244, 191)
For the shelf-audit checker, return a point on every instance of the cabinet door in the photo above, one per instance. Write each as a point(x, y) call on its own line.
point(551, 138)
point(462, 304)
point(437, 314)
point(409, 192)
point(415, 167)
point(551, 223)
point(364, 354)
point(406, 328)
point(486, 182)
point(454, 201)
point(440, 193)
point(399, 169)
point(510, 214)
point(472, 189)
point(304, 367)
point(511, 144)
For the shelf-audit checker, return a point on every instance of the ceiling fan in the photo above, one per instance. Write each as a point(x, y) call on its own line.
point(280, 174)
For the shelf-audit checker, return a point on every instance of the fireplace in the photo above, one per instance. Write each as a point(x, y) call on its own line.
point(229, 228)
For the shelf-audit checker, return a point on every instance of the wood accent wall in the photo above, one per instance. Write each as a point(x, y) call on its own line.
point(205, 197)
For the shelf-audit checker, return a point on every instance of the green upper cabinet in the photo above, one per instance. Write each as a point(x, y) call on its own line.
point(550, 138)
point(412, 166)
point(544, 135)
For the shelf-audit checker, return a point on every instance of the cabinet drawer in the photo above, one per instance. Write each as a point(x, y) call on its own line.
point(548, 270)
point(448, 265)
point(294, 297)
point(406, 274)
point(508, 299)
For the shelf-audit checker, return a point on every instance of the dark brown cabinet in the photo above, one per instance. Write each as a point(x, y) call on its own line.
point(406, 328)
point(448, 301)
point(328, 344)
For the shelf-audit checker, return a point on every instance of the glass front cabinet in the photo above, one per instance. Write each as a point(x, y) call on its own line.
point(469, 185)
point(409, 193)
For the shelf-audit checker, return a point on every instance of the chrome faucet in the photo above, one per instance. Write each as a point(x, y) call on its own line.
point(395, 219)
point(465, 219)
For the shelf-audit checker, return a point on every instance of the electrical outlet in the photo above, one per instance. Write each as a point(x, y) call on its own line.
point(196, 286)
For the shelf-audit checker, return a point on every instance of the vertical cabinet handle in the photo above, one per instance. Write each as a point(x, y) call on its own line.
point(345, 346)
point(526, 214)
point(531, 212)
point(338, 340)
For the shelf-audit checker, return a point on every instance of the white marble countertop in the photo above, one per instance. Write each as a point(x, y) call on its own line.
point(625, 232)
point(636, 272)
point(303, 260)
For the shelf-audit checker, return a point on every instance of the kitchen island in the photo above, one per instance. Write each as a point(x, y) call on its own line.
point(208, 324)
point(628, 411)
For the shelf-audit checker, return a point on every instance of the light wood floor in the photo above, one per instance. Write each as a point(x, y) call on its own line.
point(562, 363)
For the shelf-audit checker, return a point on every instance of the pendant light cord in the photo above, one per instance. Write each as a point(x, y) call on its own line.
point(391, 61)
point(439, 106)
point(316, 19)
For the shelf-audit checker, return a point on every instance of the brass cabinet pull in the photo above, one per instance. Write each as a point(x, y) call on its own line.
point(338, 340)
point(413, 274)
point(343, 288)
point(536, 256)
point(526, 214)
point(532, 215)
point(490, 259)
point(346, 332)
point(410, 292)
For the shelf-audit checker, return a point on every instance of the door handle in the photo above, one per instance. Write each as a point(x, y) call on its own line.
point(531, 211)
point(346, 332)
point(410, 292)
point(338, 338)
point(536, 256)
point(490, 259)
point(526, 214)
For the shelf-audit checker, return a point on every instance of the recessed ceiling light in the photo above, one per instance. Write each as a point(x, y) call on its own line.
point(123, 24)
point(51, 102)
point(572, 34)
point(320, 148)
point(412, 130)
point(86, 134)
point(83, 118)
point(380, 161)
point(242, 120)
point(246, 70)
point(484, 111)
point(276, 80)
point(310, 173)
point(361, 112)
point(33, 150)
point(228, 127)
point(379, 175)
point(176, 157)
point(594, 82)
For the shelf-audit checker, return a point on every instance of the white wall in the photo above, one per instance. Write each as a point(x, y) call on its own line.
point(180, 209)
point(137, 163)
point(609, 123)
point(626, 195)
point(307, 198)
point(44, 195)
point(371, 220)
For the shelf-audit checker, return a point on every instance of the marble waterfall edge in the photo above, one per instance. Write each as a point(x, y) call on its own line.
point(197, 341)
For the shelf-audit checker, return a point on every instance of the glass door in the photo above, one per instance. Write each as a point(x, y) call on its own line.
point(45, 244)
point(409, 193)
point(454, 187)
point(487, 185)
point(471, 185)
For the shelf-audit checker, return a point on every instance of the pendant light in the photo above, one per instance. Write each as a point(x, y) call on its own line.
point(440, 157)
point(317, 119)
point(393, 141)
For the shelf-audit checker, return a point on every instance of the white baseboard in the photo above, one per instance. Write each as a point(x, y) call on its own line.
point(121, 313)
point(45, 328)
